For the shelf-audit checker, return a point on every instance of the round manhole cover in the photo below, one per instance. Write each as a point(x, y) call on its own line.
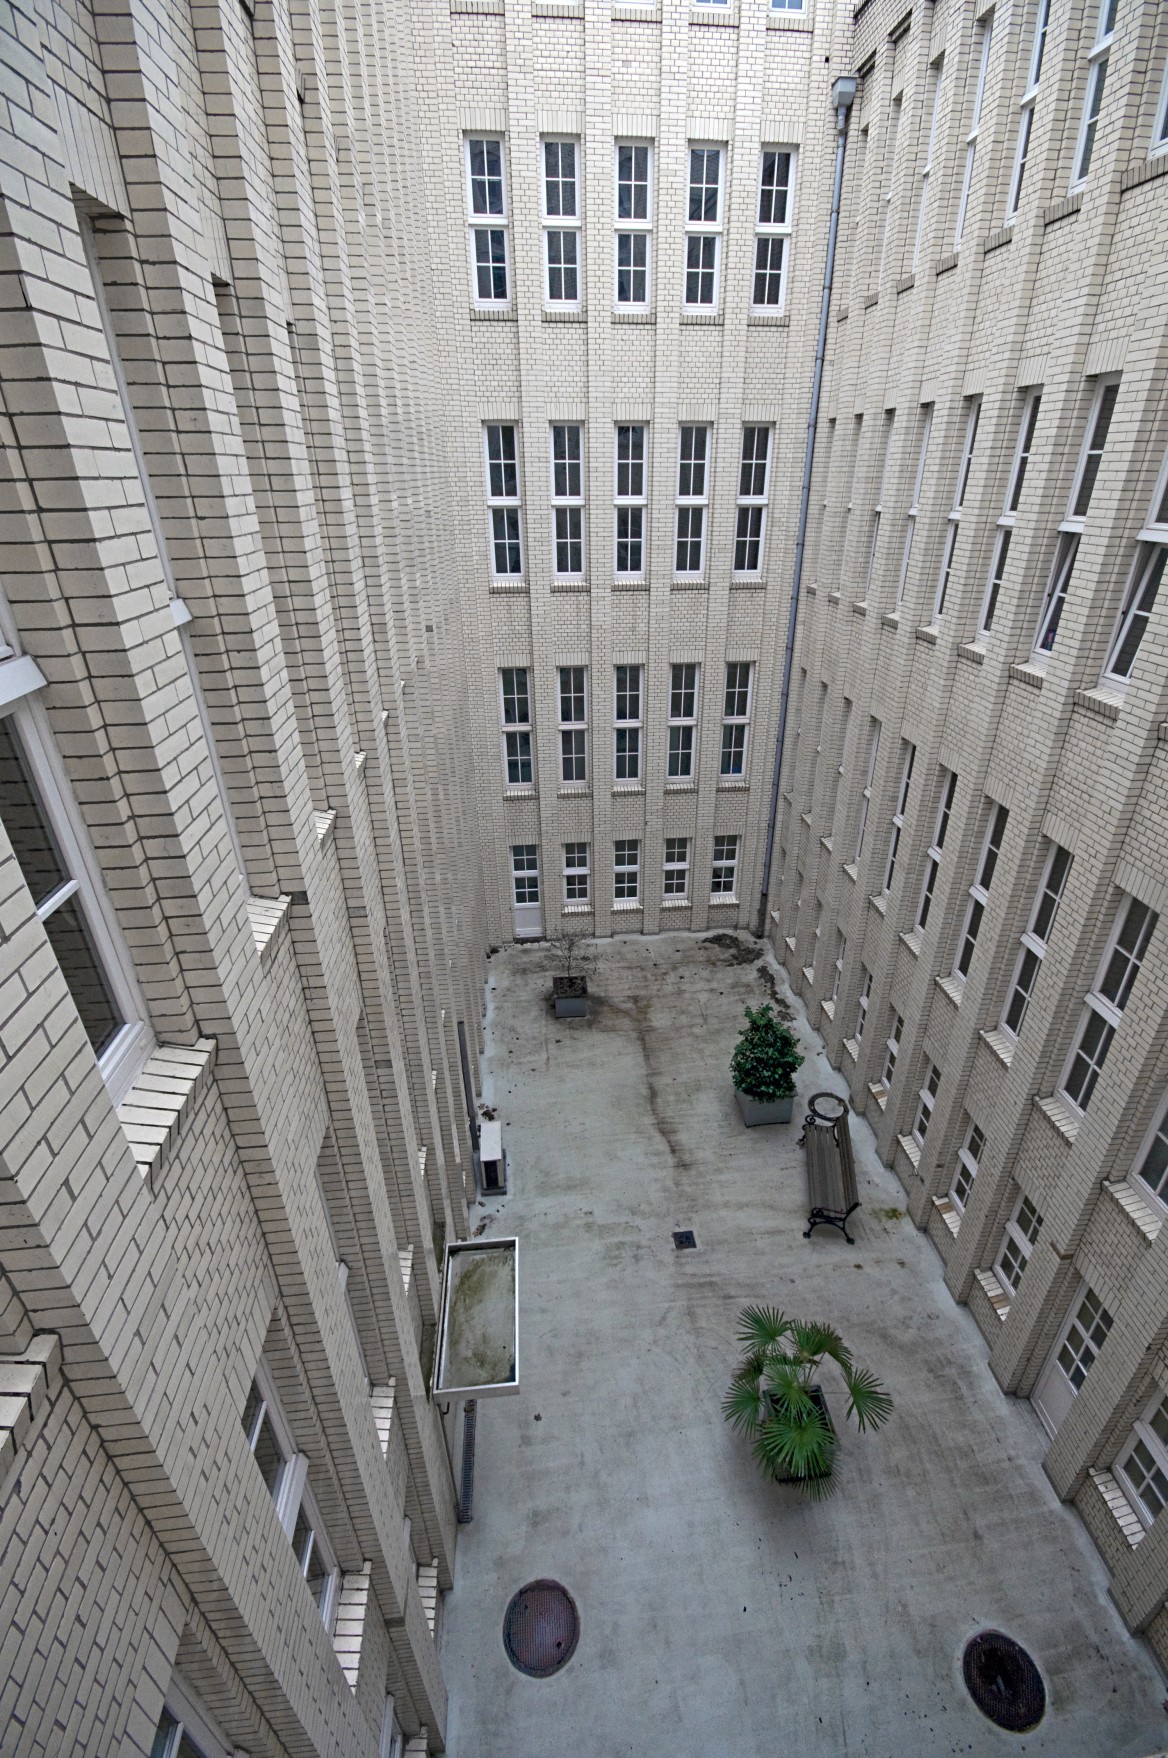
point(1004, 1682)
point(541, 1629)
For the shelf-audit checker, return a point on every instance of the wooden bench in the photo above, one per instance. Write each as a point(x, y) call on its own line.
point(831, 1168)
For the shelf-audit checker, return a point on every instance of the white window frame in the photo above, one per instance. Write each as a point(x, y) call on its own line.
point(991, 849)
point(633, 227)
point(629, 502)
point(567, 499)
point(632, 725)
point(1071, 527)
point(1101, 1008)
point(1160, 124)
point(984, 27)
point(1156, 1141)
point(575, 728)
point(898, 815)
point(724, 873)
point(1097, 61)
point(1019, 1237)
point(1075, 1350)
point(1155, 1446)
point(1143, 589)
point(968, 1164)
point(524, 874)
point(675, 870)
point(684, 678)
point(567, 226)
point(933, 857)
point(841, 952)
point(503, 502)
point(494, 223)
point(1055, 871)
point(626, 871)
point(862, 1009)
point(954, 521)
point(320, 1543)
point(689, 503)
point(878, 505)
point(1026, 108)
point(736, 720)
point(936, 78)
point(874, 730)
point(393, 1741)
point(516, 730)
point(789, 6)
point(914, 505)
point(926, 1099)
point(751, 516)
point(577, 870)
point(191, 1722)
point(1023, 448)
point(704, 229)
point(891, 1053)
point(292, 1495)
point(768, 232)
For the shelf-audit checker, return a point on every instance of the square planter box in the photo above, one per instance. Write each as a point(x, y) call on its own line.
point(756, 1111)
point(820, 1403)
point(570, 997)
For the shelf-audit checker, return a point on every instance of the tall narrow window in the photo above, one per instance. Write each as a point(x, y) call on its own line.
point(1022, 451)
point(703, 227)
point(862, 1009)
point(626, 871)
point(683, 719)
point(487, 205)
point(1086, 1335)
point(1036, 937)
point(866, 791)
point(285, 1474)
point(561, 223)
point(968, 1160)
point(735, 718)
point(881, 478)
point(891, 1052)
point(954, 524)
point(1143, 589)
point(502, 463)
point(1018, 1241)
point(983, 31)
point(634, 222)
point(933, 858)
point(573, 725)
point(724, 879)
point(926, 1099)
point(887, 180)
point(525, 872)
point(630, 500)
point(576, 874)
point(628, 723)
point(1096, 79)
point(979, 891)
point(1071, 529)
point(1029, 98)
point(676, 869)
point(1151, 1166)
point(515, 705)
point(932, 110)
point(568, 497)
point(692, 498)
point(1118, 970)
point(915, 504)
point(753, 481)
point(898, 816)
point(773, 229)
point(1160, 126)
point(841, 953)
point(1143, 1463)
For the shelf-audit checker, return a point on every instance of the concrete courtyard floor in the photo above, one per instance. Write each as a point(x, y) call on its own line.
point(720, 1614)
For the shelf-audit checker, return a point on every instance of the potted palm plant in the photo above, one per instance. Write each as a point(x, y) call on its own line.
point(763, 1068)
point(775, 1398)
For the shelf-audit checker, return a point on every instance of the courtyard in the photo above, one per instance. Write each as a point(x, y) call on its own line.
point(722, 1614)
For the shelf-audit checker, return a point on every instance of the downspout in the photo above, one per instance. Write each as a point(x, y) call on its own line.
point(843, 93)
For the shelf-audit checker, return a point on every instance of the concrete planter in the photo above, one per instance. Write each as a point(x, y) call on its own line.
point(570, 997)
point(756, 1111)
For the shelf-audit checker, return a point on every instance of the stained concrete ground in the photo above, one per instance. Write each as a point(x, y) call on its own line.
point(721, 1614)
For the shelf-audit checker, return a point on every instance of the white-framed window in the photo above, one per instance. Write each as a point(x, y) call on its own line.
point(285, 1473)
point(525, 872)
point(841, 952)
point(788, 5)
point(515, 715)
point(881, 478)
point(185, 1730)
point(982, 38)
point(676, 867)
point(910, 754)
point(1160, 125)
point(862, 1009)
point(634, 222)
point(1119, 967)
point(772, 237)
point(887, 182)
point(736, 718)
point(914, 506)
point(626, 870)
point(1096, 80)
point(568, 497)
point(501, 460)
point(866, 790)
point(1022, 450)
point(932, 111)
point(693, 495)
point(1139, 600)
point(954, 522)
point(486, 201)
point(979, 891)
point(891, 1052)
point(926, 1099)
point(573, 725)
point(724, 880)
point(1143, 1463)
point(753, 489)
point(393, 1740)
point(627, 722)
point(683, 720)
point(577, 873)
point(1085, 1337)
point(933, 858)
point(1018, 1241)
point(1151, 1167)
point(703, 227)
point(1029, 98)
point(1036, 937)
point(968, 1160)
point(561, 223)
point(1071, 528)
point(630, 499)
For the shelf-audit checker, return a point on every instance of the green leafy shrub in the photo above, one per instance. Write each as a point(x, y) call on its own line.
point(765, 1057)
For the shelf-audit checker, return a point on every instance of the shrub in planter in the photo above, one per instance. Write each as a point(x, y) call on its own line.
point(570, 987)
point(775, 1400)
point(763, 1067)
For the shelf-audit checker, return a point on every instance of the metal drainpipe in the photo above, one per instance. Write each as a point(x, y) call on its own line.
point(843, 93)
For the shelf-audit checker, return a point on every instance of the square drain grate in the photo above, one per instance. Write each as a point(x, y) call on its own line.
point(685, 1240)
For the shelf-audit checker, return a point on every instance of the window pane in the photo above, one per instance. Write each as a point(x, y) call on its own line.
point(70, 940)
point(32, 841)
point(269, 1456)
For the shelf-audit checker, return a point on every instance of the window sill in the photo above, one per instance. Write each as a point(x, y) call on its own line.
point(1156, 165)
point(495, 6)
point(571, 583)
point(996, 239)
point(788, 21)
point(859, 607)
point(581, 791)
point(994, 1292)
point(325, 825)
point(971, 653)
point(712, 319)
point(789, 943)
point(828, 1007)
point(625, 907)
point(871, 299)
point(948, 262)
point(825, 842)
point(722, 898)
point(1135, 1207)
point(768, 320)
point(1060, 210)
point(890, 619)
point(809, 974)
point(879, 901)
point(519, 793)
point(681, 787)
point(557, 9)
point(622, 788)
point(266, 916)
point(852, 1049)
point(576, 909)
point(1061, 1114)
point(675, 903)
point(951, 986)
point(906, 283)
point(27, 1383)
point(1000, 1044)
point(497, 587)
point(1099, 701)
point(948, 1214)
point(1032, 676)
point(635, 316)
point(911, 941)
point(689, 583)
point(1118, 1506)
point(879, 1093)
point(630, 583)
point(851, 871)
point(645, 14)
point(161, 1099)
point(574, 315)
point(714, 13)
point(732, 785)
point(912, 1149)
point(486, 314)
point(927, 634)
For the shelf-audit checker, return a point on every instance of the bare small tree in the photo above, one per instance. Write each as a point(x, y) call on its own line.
point(571, 951)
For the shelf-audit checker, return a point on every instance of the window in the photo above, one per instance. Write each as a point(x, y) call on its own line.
point(932, 108)
point(898, 815)
point(1029, 97)
point(983, 35)
point(933, 858)
point(979, 890)
point(634, 221)
point(561, 223)
point(487, 201)
point(525, 872)
point(1118, 970)
point(773, 230)
point(573, 725)
point(735, 719)
point(1152, 1163)
point(683, 719)
point(626, 871)
point(968, 1160)
point(628, 723)
point(568, 497)
point(881, 478)
point(753, 477)
point(888, 173)
point(692, 497)
point(1084, 1339)
point(184, 1728)
point(1096, 79)
point(268, 1439)
point(915, 503)
point(841, 950)
point(866, 791)
point(393, 1741)
point(1071, 529)
point(516, 712)
point(576, 888)
point(1160, 127)
point(1018, 1241)
point(925, 1101)
point(703, 226)
point(285, 1473)
point(630, 500)
point(676, 866)
point(1034, 940)
point(725, 875)
point(954, 524)
point(1022, 451)
point(891, 1052)
point(787, 5)
point(1143, 1464)
point(1143, 589)
point(315, 1556)
point(502, 460)
point(862, 1011)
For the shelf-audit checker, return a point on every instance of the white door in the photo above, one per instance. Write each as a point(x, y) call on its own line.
point(1070, 1360)
point(525, 889)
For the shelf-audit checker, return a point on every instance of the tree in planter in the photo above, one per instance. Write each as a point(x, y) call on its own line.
point(774, 1398)
point(765, 1057)
point(572, 953)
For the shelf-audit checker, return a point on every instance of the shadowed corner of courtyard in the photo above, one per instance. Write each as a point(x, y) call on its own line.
point(721, 1613)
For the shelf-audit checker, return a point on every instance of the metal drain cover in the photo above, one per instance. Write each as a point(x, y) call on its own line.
point(541, 1629)
point(1004, 1682)
point(685, 1240)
